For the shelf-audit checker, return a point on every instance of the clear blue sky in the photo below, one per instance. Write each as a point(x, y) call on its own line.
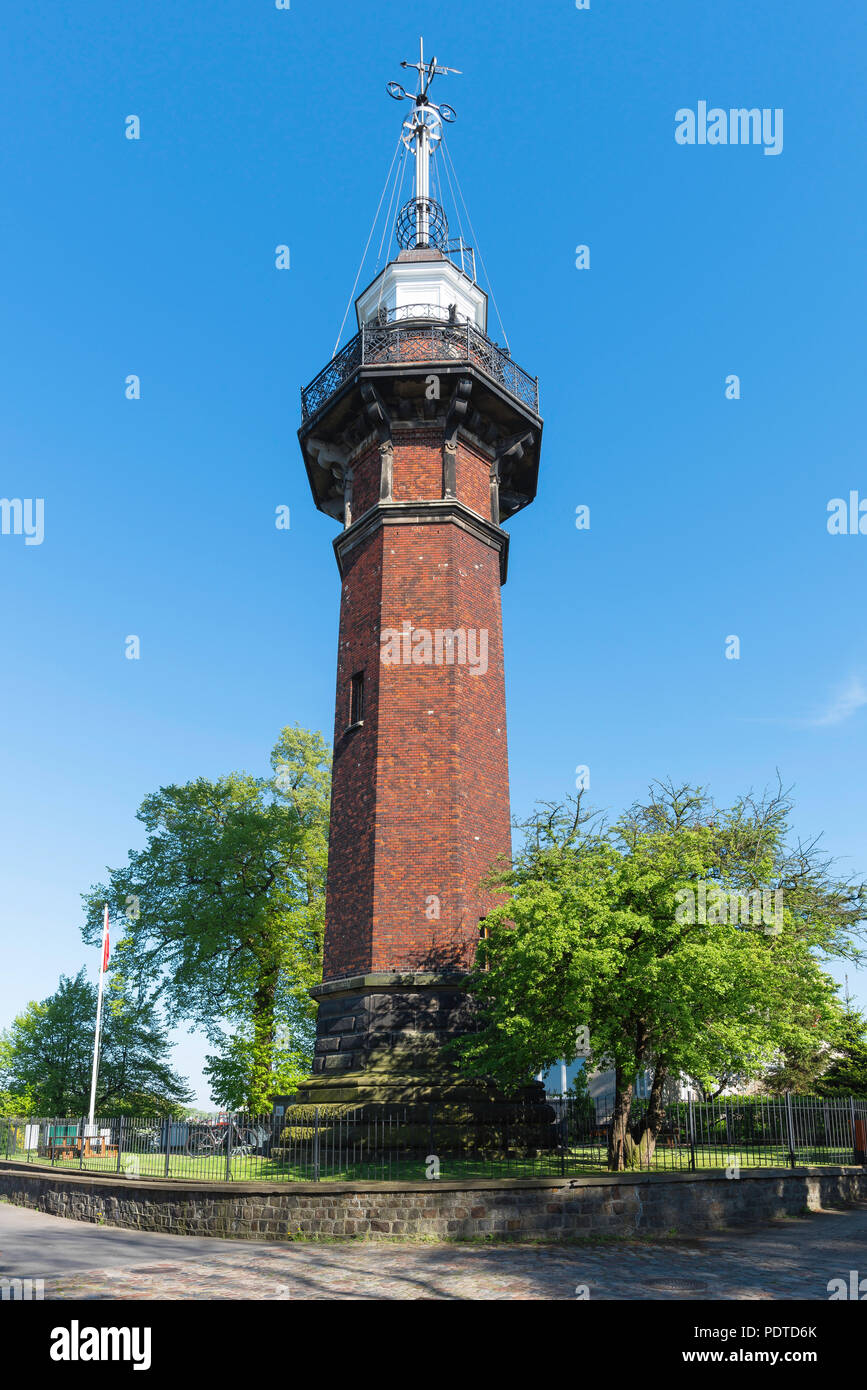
point(262, 126)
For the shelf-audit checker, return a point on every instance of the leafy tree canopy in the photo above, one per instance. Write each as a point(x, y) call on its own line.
point(46, 1057)
point(221, 915)
point(594, 933)
point(847, 1074)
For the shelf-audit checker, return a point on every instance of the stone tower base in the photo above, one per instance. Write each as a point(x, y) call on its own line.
point(379, 1057)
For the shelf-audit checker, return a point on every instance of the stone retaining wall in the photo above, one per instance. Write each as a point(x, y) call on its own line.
point(547, 1208)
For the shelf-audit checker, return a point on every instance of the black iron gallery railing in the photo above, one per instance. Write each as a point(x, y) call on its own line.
point(419, 333)
point(568, 1136)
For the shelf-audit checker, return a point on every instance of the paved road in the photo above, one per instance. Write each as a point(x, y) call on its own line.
point(783, 1260)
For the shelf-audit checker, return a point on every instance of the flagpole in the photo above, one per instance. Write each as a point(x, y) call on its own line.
point(103, 963)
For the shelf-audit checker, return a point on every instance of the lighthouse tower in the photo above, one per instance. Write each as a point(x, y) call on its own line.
point(421, 438)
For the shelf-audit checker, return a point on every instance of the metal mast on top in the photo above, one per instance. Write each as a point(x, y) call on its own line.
point(422, 132)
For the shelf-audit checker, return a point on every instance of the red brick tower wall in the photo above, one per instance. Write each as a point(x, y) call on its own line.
point(352, 836)
point(420, 807)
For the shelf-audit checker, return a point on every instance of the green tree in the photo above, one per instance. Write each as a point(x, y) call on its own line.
point(819, 1068)
point(801, 1066)
point(13, 1104)
point(47, 1054)
point(847, 1073)
point(222, 914)
point(16, 1104)
point(596, 932)
point(284, 1063)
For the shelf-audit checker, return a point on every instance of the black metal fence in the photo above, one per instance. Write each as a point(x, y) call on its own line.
point(568, 1136)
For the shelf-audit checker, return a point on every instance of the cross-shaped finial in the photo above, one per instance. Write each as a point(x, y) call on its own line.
point(422, 131)
point(427, 72)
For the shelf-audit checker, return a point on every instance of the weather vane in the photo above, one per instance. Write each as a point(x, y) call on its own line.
point(422, 131)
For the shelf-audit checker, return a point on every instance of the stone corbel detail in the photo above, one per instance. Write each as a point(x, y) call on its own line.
point(509, 452)
point(379, 421)
point(331, 461)
point(455, 416)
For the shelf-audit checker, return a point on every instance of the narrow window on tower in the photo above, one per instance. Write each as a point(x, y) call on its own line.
point(484, 935)
point(356, 699)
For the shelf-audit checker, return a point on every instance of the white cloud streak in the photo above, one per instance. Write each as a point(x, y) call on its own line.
point(848, 699)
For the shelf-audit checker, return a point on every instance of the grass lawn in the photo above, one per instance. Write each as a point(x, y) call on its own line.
point(577, 1161)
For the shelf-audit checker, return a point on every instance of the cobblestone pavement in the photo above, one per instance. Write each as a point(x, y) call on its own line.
point(782, 1260)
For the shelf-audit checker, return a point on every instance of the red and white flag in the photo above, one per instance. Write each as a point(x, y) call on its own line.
point(105, 940)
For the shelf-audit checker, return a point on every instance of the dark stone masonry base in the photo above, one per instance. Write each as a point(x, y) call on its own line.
point(404, 1017)
point(379, 1057)
point(541, 1209)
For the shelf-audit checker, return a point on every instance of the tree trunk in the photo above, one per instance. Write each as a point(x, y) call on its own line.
point(619, 1139)
point(264, 1033)
point(645, 1132)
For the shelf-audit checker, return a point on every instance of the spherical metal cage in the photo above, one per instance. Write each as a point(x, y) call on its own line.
point(435, 228)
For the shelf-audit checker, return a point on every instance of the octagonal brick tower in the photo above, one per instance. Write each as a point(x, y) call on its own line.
point(421, 437)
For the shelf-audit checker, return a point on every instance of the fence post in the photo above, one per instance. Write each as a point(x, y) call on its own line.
point(791, 1129)
point(8, 1135)
point(81, 1143)
point(229, 1126)
point(858, 1155)
point(119, 1142)
point(316, 1145)
point(168, 1136)
point(691, 1134)
point(563, 1135)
